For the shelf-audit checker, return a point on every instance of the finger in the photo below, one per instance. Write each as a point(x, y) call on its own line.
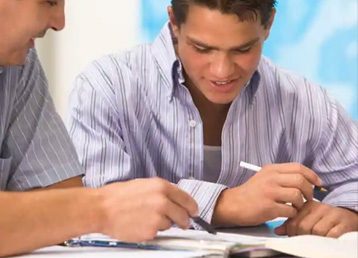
point(281, 230)
point(174, 212)
point(184, 200)
point(336, 231)
point(284, 210)
point(306, 223)
point(293, 168)
point(165, 223)
point(290, 195)
point(297, 181)
point(323, 226)
point(292, 224)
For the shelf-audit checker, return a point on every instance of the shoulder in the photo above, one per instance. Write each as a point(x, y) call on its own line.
point(116, 78)
point(290, 86)
point(117, 70)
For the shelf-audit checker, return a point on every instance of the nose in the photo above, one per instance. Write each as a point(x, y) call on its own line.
point(57, 21)
point(222, 67)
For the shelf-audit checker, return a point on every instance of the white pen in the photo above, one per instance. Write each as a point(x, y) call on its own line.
point(249, 166)
point(255, 168)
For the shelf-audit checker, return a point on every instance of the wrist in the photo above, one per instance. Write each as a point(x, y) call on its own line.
point(94, 217)
point(223, 210)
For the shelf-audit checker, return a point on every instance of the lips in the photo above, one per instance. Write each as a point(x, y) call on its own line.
point(223, 85)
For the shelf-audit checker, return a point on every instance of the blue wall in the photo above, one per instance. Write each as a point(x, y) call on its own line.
point(315, 38)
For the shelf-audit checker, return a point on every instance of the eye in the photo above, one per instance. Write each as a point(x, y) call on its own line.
point(201, 49)
point(243, 50)
point(52, 3)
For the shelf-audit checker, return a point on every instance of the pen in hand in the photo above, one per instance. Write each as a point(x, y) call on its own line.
point(206, 226)
point(257, 169)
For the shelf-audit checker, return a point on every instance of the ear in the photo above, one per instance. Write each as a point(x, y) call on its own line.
point(269, 23)
point(173, 21)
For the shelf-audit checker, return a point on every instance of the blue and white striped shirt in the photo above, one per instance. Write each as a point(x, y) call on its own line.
point(35, 149)
point(131, 116)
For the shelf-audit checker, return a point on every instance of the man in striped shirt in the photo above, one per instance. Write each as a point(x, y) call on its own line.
point(36, 152)
point(200, 99)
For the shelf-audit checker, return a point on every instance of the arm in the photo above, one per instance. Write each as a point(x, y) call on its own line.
point(68, 183)
point(49, 217)
point(336, 161)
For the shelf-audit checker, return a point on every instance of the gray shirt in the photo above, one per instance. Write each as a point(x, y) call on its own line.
point(35, 150)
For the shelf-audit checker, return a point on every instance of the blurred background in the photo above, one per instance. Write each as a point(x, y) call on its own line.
point(315, 38)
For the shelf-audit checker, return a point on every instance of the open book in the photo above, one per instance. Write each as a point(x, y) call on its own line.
point(226, 244)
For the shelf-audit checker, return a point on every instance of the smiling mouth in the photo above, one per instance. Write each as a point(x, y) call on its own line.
point(222, 82)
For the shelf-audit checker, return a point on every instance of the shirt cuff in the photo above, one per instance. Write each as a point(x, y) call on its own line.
point(205, 194)
point(344, 196)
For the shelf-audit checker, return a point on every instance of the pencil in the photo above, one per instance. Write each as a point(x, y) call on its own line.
point(257, 169)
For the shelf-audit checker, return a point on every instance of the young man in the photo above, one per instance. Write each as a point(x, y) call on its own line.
point(202, 98)
point(36, 152)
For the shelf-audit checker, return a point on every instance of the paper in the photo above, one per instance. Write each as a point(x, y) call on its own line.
point(92, 252)
point(310, 246)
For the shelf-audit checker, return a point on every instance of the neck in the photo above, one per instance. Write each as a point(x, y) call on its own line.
point(213, 115)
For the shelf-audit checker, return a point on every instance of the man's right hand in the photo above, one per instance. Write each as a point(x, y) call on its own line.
point(267, 195)
point(136, 210)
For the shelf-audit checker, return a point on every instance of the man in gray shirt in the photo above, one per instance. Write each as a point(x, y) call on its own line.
point(36, 152)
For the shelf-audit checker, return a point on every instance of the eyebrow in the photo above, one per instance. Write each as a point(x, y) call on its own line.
point(245, 45)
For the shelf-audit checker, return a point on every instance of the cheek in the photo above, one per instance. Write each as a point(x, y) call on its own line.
point(248, 63)
point(193, 62)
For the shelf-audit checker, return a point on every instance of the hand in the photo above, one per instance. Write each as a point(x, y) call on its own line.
point(320, 219)
point(136, 210)
point(266, 195)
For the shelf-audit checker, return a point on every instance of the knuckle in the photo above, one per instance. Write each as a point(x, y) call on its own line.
point(318, 230)
point(159, 185)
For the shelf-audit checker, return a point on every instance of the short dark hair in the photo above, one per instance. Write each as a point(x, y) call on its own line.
point(246, 10)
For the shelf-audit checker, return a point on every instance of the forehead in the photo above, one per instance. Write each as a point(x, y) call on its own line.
point(213, 25)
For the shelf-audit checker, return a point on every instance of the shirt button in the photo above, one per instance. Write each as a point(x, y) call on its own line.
point(192, 123)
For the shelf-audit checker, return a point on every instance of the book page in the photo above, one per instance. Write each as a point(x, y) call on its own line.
point(311, 246)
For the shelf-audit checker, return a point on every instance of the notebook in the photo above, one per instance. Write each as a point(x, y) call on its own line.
point(226, 244)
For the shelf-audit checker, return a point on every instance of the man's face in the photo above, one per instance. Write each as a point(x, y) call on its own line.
point(21, 21)
point(219, 53)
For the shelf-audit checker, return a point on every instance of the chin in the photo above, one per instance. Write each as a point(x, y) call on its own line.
point(218, 101)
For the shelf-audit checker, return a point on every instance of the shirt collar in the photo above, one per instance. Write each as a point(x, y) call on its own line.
point(167, 61)
point(1, 69)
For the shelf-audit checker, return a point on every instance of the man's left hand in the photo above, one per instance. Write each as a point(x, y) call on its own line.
point(320, 219)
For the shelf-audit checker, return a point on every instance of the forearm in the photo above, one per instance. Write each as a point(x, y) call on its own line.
point(71, 182)
point(35, 219)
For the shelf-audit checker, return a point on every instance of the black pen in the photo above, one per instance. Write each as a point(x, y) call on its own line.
point(206, 226)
